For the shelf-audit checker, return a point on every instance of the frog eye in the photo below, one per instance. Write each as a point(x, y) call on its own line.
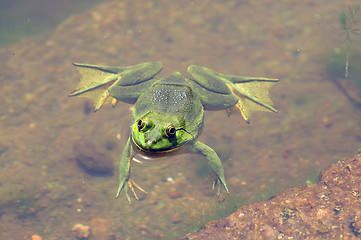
point(170, 131)
point(144, 124)
point(141, 124)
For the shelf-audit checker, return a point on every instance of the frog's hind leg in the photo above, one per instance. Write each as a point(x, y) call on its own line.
point(253, 95)
point(94, 76)
point(103, 99)
point(107, 84)
point(95, 82)
point(246, 94)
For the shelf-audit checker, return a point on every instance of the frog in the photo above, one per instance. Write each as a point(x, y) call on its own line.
point(168, 111)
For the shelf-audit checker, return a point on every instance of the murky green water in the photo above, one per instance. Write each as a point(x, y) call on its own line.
point(22, 19)
point(43, 190)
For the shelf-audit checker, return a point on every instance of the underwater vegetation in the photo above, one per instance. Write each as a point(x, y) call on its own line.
point(344, 61)
point(347, 22)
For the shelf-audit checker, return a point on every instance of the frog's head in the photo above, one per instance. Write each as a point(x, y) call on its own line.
point(159, 133)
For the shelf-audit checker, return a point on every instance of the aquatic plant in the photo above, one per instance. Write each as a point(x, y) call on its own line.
point(348, 20)
point(343, 62)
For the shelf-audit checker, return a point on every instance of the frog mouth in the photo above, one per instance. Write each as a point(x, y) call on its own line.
point(156, 151)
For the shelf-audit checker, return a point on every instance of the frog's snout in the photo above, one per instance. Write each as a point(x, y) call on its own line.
point(149, 143)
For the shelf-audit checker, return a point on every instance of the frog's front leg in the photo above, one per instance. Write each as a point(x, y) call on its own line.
point(213, 161)
point(124, 172)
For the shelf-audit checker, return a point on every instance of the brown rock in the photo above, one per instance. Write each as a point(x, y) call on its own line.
point(327, 209)
point(102, 229)
point(176, 218)
point(81, 231)
point(91, 158)
point(174, 194)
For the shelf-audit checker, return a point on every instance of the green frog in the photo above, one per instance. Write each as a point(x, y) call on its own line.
point(168, 112)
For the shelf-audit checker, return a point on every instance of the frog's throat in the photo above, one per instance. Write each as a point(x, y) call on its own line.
point(155, 151)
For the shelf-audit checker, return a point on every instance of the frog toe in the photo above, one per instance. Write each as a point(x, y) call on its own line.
point(129, 184)
point(132, 186)
point(218, 182)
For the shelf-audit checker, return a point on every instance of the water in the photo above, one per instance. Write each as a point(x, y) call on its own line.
point(20, 18)
point(43, 190)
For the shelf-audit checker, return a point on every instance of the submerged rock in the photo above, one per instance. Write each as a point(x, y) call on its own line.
point(91, 158)
point(81, 231)
point(327, 209)
point(102, 229)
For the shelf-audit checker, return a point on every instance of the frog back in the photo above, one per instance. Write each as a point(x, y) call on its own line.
point(172, 95)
